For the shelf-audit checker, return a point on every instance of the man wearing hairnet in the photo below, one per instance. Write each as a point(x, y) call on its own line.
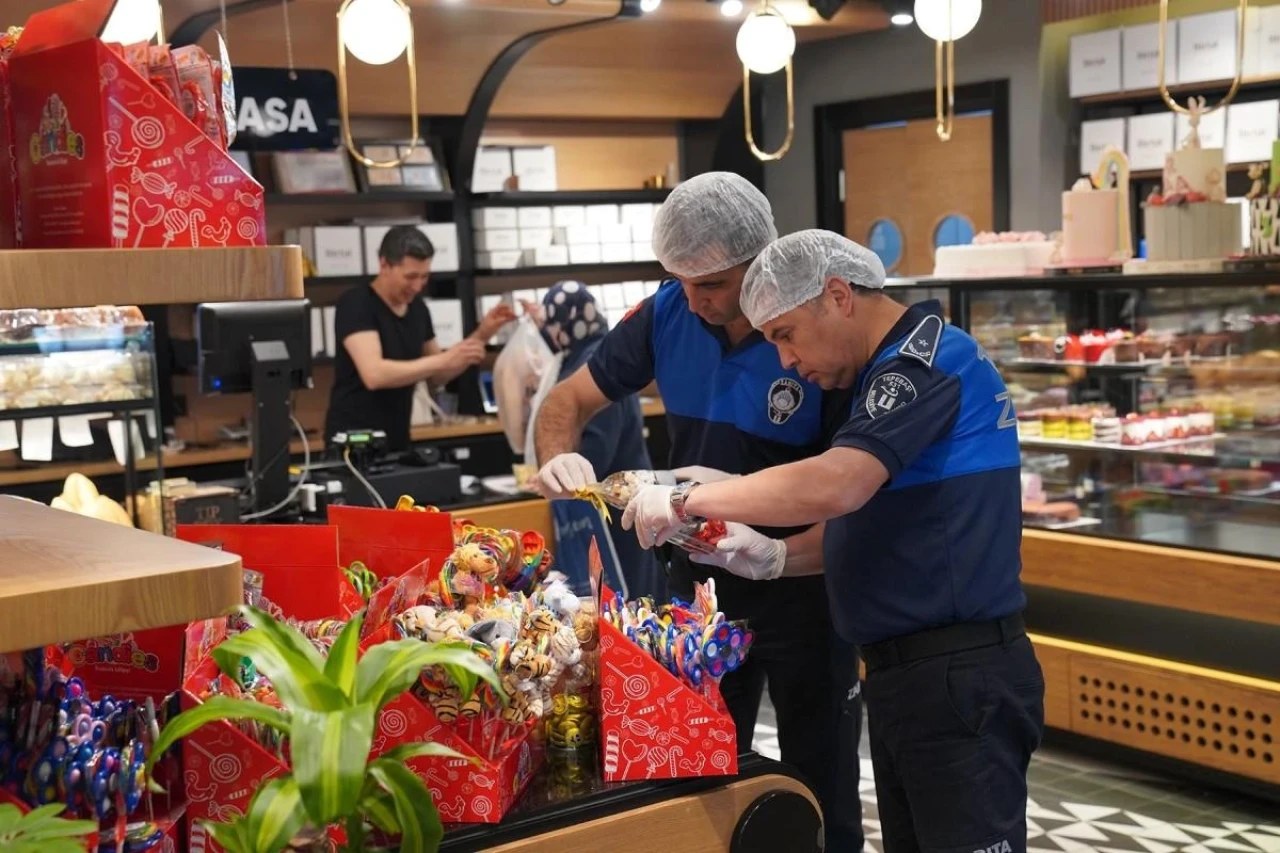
point(732, 408)
point(921, 496)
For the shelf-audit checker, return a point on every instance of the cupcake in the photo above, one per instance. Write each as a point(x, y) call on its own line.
point(1134, 430)
point(1080, 427)
point(1107, 430)
point(1126, 349)
point(1030, 425)
point(1151, 347)
point(1182, 345)
point(1200, 421)
point(1055, 424)
point(1035, 346)
point(1176, 424)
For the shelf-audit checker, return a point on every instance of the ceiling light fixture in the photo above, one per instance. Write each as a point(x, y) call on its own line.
point(765, 45)
point(902, 19)
point(647, 6)
point(132, 21)
point(731, 8)
point(376, 32)
point(945, 21)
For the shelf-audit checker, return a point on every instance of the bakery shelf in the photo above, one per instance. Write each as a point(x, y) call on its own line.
point(526, 199)
point(1242, 449)
point(1206, 87)
point(65, 576)
point(68, 278)
point(1106, 281)
point(379, 197)
point(1046, 365)
point(501, 281)
point(1269, 496)
point(107, 408)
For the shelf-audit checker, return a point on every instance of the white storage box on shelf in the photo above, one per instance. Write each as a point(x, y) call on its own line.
point(498, 240)
point(334, 250)
point(1097, 136)
point(547, 256)
point(504, 260)
point(603, 214)
point(1095, 63)
point(444, 239)
point(565, 215)
point(487, 218)
point(1251, 128)
point(1141, 47)
point(492, 169)
point(535, 238)
point(585, 253)
point(535, 168)
point(1149, 139)
point(1207, 47)
point(533, 217)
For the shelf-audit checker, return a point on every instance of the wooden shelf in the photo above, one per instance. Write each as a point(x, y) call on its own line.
point(68, 278)
point(518, 199)
point(380, 197)
point(1204, 88)
point(65, 577)
point(523, 278)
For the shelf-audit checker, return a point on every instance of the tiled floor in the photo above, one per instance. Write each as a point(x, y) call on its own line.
point(1080, 805)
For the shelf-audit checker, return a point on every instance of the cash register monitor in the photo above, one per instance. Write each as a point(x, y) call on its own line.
point(263, 348)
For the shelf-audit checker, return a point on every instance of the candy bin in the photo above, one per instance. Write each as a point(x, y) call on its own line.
point(661, 714)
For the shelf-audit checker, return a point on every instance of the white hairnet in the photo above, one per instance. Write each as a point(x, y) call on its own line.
point(795, 268)
point(710, 223)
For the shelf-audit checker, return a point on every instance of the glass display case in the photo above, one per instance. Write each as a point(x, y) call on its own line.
point(61, 370)
point(1148, 406)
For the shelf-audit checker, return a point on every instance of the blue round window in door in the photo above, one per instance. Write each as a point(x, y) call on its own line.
point(955, 229)
point(884, 237)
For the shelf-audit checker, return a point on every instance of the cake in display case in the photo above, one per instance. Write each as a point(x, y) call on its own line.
point(1148, 407)
point(1190, 225)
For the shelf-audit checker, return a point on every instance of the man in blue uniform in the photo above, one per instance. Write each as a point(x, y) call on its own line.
point(921, 496)
point(732, 409)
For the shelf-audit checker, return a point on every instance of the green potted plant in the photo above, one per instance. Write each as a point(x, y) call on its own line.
point(42, 831)
point(331, 707)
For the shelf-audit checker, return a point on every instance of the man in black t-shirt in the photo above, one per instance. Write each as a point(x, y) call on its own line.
point(387, 344)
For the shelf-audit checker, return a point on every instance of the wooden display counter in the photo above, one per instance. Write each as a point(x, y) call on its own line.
point(64, 576)
point(67, 278)
point(765, 807)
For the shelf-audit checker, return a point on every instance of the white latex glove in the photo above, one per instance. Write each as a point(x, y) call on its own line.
point(746, 553)
point(651, 515)
point(564, 475)
point(702, 474)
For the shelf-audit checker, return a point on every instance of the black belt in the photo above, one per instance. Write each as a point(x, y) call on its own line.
point(941, 641)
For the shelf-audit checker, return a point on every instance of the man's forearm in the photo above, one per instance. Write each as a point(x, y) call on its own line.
point(559, 426)
point(804, 553)
point(805, 492)
point(392, 373)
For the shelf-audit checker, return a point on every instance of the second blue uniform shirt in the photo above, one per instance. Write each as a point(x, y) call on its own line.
point(939, 543)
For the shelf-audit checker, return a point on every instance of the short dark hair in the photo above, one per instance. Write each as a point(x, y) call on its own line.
point(405, 241)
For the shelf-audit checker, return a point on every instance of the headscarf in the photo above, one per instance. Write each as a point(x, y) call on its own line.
point(571, 317)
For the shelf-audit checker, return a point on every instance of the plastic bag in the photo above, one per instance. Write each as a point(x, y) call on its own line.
point(517, 375)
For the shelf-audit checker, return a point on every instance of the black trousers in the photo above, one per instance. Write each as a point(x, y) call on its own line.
point(951, 738)
point(812, 677)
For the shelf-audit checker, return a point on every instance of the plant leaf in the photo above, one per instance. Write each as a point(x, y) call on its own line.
point(420, 826)
point(380, 809)
point(405, 751)
point(30, 823)
point(285, 635)
point(61, 845)
point(231, 837)
point(389, 669)
point(213, 709)
point(329, 751)
point(9, 817)
point(297, 682)
point(344, 656)
point(47, 830)
point(275, 815)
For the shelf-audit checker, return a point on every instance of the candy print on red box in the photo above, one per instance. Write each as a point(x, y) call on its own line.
point(105, 160)
point(390, 542)
point(653, 726)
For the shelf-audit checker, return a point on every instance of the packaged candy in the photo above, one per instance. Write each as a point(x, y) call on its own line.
point(618, 489)
point(138, 57)
point(162, 73)
point(196, 92)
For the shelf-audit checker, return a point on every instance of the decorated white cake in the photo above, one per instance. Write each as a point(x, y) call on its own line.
point(1009, 253)
point(1095, 215)
point(1191, 220)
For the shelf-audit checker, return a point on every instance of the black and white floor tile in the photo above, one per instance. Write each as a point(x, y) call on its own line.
point(1079, 805)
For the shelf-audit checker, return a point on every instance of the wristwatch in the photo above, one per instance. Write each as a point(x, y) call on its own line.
point(678, 496)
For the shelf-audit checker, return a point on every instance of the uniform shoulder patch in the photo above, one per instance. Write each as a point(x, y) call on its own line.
point(889, 392)
point(922, 343)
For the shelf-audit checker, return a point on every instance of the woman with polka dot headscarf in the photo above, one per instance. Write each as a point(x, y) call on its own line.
point(613, 440)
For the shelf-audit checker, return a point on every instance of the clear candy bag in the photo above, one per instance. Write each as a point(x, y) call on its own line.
point(619, 488)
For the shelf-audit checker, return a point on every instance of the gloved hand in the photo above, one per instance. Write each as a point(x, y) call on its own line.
point(651, 515)
point(747, 553)
point(564, 475)
point(702, 474)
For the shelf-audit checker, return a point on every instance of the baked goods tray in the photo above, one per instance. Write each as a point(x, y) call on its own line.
point(110, 407)
point(1064, 444)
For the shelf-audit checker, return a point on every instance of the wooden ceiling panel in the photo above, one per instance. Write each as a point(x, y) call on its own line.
point(677, 63)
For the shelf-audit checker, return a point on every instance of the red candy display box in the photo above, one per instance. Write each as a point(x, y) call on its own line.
point(654, 726)
point(104, 159)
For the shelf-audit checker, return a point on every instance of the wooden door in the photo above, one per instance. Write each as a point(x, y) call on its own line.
point(906, 191)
